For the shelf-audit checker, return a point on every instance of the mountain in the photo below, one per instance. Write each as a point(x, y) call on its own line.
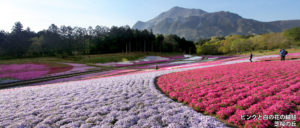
point(194, 24)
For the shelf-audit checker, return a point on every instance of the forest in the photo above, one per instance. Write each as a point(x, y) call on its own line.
point(235, 44)
point(66, 41)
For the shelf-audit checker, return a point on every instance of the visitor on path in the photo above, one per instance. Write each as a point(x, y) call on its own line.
point(282, 54)
point(156, 67)
point(251, 56)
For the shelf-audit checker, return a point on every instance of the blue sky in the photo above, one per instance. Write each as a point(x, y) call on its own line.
point(39, 14)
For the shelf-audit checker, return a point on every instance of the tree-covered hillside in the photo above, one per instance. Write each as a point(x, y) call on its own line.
point(66, 40)
point(238, 43)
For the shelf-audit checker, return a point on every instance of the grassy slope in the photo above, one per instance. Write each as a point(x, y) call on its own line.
point(271, 52)
point(87, 59)
point(32, 60)
point(117, 57)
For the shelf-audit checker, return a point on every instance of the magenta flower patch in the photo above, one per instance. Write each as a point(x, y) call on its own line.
point(23, 71)
point(237, 90)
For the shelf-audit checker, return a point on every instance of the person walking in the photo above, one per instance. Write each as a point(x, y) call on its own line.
point(156, 67)
point(282, 54)
point(251, 56)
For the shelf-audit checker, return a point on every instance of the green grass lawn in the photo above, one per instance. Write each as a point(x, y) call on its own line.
point(118, 57)
point(33, 60)
point(270, 52)
point(87, 59)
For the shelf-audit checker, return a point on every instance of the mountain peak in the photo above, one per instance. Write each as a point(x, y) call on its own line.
point(194, 24)
point(187, 11)
point(176, 13)
point(177, 8)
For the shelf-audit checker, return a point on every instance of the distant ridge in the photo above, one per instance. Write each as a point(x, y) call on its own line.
point(194, 24)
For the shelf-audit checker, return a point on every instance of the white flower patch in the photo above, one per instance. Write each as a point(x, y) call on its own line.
point(153, 58)
point(126, 62)
point(187, 56)
point(120, 102)
point(182, 62)
point(193, 58)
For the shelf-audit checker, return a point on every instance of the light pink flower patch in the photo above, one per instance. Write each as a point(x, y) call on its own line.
point(294, 54)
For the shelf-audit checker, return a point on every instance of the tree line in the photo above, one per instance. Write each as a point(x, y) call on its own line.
point(68, 41)
point(234, 44)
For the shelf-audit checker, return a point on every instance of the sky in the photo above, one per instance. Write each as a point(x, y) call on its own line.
point(40, 14)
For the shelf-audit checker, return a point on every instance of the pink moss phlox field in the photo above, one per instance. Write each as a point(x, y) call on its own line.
point(120, 102)
point(131, 63)
point(294, 54)
point(230, 91)
point(140, 63)
point(23, 71)
point(192, 65)
point(74, 68)
point(114, 73)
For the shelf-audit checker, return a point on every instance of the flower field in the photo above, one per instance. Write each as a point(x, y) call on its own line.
point(26, 71)
point(231, 92)
point(146, 60)
point(23, 71)
point(57, 67)
point(130, 98)
point(75, 68)
point(122, 101)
